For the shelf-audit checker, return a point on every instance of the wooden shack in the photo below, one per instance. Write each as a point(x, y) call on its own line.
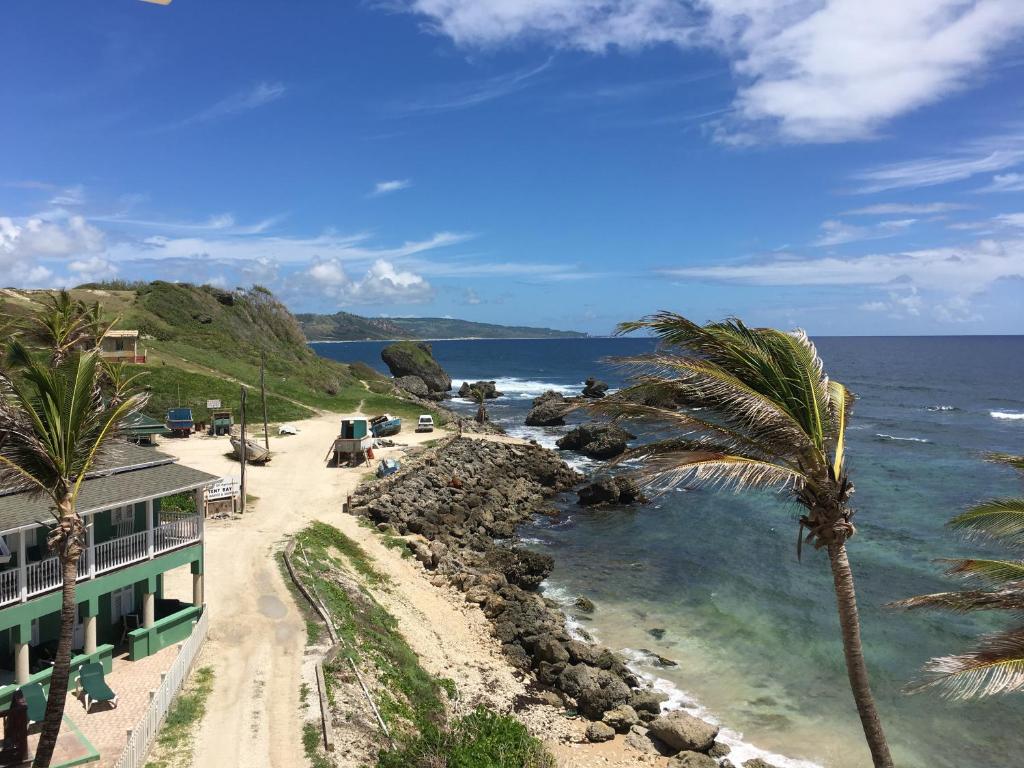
point(121, 347)
point(352, 443)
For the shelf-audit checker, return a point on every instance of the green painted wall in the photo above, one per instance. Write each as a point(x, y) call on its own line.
point(167, 631)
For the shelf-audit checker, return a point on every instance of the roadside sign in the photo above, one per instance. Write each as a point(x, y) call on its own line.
point(213, 403)
point(225, 488)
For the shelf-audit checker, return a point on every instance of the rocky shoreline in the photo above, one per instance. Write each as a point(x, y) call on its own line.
point(458, 505)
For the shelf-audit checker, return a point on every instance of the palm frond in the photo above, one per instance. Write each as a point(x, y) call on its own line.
point(1008, 597)
point(996, 519)
point(672, 463)
point(996, 666)
point(991, 571)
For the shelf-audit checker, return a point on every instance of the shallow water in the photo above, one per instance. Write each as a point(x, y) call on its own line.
point(754, 631)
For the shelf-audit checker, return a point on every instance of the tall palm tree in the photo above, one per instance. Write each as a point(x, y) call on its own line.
point(996, 664)
point(64, 325)
point(480, 396)
point(749, 407)
point(55, 423)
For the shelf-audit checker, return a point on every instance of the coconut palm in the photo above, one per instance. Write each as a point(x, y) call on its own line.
point(55, 424)
point(996, 664)
point(63, 325)
point(479, 394)
point(745, 407)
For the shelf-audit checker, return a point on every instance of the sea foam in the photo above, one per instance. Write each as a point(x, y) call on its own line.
point(1007, 415)
point(523, 389)
point(883, 436)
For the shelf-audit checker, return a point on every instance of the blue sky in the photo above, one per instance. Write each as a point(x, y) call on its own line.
point(848, 166)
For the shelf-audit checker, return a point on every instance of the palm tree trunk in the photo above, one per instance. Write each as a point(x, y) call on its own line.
point(61, 673)
point(849, 622)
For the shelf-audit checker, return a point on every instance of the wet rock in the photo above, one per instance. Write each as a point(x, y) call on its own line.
point(648, 701)
point(718, 749)
point(594, 389)
point(597, 440)
point(487, 387)
point(683, 731)
point(757, 762)
point(521, 567)
point(656, 632)
point(597, 732)
point(609, 490)
point(548, 410)
point(585, 604)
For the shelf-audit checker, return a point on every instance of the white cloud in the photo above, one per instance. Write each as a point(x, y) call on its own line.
point(954, 270)
point(993, 153)
point(448, 98)
point(471, 297)
point(70, 196)
point(223, 223)
point(809, 70)
point(92, 269)
point(1005, 182)
point(387, 187)
point(24, 242)
point(243, 101)
point(1010, 219)
point(895, 209)
point(383, 283)
point(838, 232)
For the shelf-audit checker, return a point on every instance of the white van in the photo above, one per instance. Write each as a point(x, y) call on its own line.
point(425, 424)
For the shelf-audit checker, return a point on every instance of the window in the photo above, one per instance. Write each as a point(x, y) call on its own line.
point(123, 520)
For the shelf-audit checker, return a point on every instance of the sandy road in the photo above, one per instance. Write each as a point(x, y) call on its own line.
point(257, 635)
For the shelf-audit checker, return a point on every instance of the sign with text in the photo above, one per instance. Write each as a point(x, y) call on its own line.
point(213, 403)
point(225, 488)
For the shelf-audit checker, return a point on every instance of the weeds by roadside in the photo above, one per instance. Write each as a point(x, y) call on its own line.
point(174, 742)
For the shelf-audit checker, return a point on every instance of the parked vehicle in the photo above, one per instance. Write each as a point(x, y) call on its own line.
point(221, 423)
point(385, 425)
point(180, 422)
point(425, 423)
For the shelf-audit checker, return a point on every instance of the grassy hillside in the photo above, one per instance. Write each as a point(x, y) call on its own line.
point(344, 326)
point(202, 342)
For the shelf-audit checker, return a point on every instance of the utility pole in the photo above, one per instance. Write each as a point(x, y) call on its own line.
point(263, 395)
point(243, 457)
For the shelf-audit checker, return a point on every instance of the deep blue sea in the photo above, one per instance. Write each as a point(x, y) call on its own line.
point(754, 631)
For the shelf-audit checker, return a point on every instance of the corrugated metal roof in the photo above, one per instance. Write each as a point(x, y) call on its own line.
point(120, 334)
point(98, 493)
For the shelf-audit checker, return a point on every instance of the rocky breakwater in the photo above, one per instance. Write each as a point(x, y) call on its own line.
point(458, 504)
point(415, 370)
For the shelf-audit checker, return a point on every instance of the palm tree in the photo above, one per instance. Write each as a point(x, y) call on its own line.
point(480, 395)
point(749, 407)
point(63, 325)
point(996, 664)
point(55, 423)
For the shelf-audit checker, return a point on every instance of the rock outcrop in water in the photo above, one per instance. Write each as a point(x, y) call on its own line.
point(489, 389)
point(597, 440)
point(548, 410)
point(409, 358)
point(609, 490)
point(594, 389)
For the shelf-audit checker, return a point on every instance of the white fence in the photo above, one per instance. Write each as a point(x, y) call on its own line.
point(176, 533)
point(120, 551)
point(141, 737)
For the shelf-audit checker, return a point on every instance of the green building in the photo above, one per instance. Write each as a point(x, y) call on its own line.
point(144, 517)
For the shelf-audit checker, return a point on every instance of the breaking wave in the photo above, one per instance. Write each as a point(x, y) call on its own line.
point(883, 436)
point(1007, 415)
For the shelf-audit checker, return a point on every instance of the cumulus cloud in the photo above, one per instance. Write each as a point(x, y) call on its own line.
point(383, 283)
point(809, 70)
point(387, 187)
point(92, 269)
point(25, 242)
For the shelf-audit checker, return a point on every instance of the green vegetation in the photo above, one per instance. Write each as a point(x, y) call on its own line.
point(481, 739)
point(412, 702)
point(202, 342)
point(311, 741)
point(344, 326)
point(173, 741)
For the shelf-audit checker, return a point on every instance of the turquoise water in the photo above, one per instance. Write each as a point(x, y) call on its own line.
point(755, 631)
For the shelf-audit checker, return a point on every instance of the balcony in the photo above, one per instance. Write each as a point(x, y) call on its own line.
point(19, 585)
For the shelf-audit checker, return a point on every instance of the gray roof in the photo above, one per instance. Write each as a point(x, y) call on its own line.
point(142, 474)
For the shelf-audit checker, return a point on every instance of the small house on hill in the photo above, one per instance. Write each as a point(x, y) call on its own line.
point(122, 347)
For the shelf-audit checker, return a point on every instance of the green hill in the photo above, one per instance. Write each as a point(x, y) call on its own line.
point(344, 326)
point(202, 342)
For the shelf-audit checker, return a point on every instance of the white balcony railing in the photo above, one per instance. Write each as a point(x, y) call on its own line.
point(120, 551)
point(45, 575)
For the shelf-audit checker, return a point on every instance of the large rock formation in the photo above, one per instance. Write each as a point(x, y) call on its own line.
point(548, 410)
point(487, 387)
point(609, 490)
point(410, 358)
point(684, 732)
point(414, 385)
point(594, 389)
point(599, 441)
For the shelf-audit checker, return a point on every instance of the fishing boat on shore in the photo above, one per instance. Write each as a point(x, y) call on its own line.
point(254, 452)
point(385, 425)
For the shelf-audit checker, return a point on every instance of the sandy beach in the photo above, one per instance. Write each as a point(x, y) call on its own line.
point(257, 636)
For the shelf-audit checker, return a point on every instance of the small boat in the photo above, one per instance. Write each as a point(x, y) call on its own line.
point(388, 467)
point(254, 452)
point(180, 421)
point(385, 425)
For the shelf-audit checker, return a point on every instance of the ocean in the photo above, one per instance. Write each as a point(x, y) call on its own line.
point(711, 579)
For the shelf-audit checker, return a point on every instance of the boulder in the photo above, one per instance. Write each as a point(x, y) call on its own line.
point(648, 701)
point(606, 692)
point(487, 387)
point(597, 440)
point(585, 604)
point(410, 358)
point(683, 731)
point(414, 385)
point(599, 732)
point(522, 567)
point(693, 760)
point(622, 718)
point(609, 490)
point(757, 762)
point(547, 648)
point(594, 389)
point(548, 410)
point(718, 749)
